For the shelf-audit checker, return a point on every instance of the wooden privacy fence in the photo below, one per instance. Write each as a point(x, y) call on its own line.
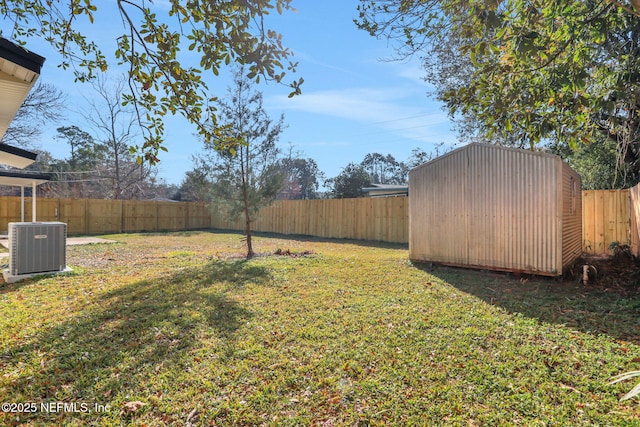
point(607, 216)
point(605, 219)
point(385, 219)
point(93, 216)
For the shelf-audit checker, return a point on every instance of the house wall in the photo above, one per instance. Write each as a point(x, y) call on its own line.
point(489, 207)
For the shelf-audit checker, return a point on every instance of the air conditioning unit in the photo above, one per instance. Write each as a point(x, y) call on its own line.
point(37, 247)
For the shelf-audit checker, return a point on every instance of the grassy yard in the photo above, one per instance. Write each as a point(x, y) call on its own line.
point(177, 329)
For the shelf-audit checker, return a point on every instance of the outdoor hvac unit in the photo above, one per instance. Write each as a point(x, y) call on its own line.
point(37, 247)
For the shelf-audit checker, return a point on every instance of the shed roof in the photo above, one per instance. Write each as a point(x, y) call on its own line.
point(491, 146)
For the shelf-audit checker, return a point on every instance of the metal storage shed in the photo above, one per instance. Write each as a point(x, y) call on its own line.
point(491, 207)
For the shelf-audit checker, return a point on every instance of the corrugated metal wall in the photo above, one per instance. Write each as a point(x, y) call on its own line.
point(571, 216)
point(491, 207)
point(436, 201)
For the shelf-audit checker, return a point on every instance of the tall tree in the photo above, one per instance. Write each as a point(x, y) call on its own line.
point(76, 176)
point(542, 70)
point(598, 164)
point(349, 182)
point(245, 175)
point(154, 44)
point(116, 130)
point(385, 169)
point(302, 178)
point(43, 105)
point(77, 139)
point(418, 156)
point(195, 186)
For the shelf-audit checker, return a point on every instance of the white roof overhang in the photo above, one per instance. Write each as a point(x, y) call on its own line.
point(15, 179)
point(19, 70)
point(16, 157)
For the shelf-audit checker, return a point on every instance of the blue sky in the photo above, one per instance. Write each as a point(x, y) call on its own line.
point(353, 102)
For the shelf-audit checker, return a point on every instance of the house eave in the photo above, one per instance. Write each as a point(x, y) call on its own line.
point(19, 70)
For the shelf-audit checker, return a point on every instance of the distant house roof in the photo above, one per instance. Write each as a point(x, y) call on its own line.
point(162, 199)
point(386, 190)
point(19, 70)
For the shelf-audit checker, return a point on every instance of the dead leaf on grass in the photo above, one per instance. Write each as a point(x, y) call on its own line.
point(192, 418)
point(133, 406)
point(287, 252)
point(568, 387)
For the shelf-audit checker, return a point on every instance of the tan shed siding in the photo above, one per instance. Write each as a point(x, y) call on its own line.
point(510, 210)
point(571, 216)
point(491, 207)
point(437, 216)
point(417, 214)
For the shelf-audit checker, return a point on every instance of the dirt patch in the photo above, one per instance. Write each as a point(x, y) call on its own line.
point(277, 252)
point(619, 272)
point(287, 252)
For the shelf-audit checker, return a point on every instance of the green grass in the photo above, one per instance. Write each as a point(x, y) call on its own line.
point(353, 334)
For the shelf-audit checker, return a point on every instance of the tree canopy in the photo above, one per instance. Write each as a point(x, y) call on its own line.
point(535, 70)
point(153, 44)
point(302, 178)
point(350, 182)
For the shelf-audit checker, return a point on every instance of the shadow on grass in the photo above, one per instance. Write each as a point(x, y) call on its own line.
point(550, 301)
point(305, 238)
point(183, 233)
point(6, 288)
point(136, 331)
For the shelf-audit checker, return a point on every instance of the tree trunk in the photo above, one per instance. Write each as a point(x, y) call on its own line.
point(245, 199)
point(247, 232)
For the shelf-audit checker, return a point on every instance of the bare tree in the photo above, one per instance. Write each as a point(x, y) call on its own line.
point(44, 105)
point(116, 128)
